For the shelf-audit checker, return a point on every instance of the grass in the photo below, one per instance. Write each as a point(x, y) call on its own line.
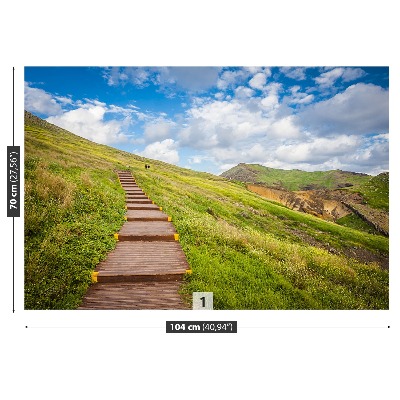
point(296, 179)
point(376, 191)
point(71, 213)
point(355, 222)
point(251, 253)
point(242, 248)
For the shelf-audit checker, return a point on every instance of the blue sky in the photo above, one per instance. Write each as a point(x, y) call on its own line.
point(212, 118)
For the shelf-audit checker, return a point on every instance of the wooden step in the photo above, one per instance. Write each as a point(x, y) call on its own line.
point(134, 296)
point(135, 195)
point(146, 231)
point(146, 215)
point(136, 206)
point(138, 201)
point(134, 191)
point(141, 261)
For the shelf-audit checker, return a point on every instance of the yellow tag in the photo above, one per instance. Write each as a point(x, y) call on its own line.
point(94, 276)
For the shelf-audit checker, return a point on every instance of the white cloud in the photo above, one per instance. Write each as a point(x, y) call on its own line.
point(189, 78)
point(294, 72)
point(242, 92)
point(325, 166)
point(328, 79)
point(198, 159)
point(271, 100)
point(351, 74)
point(158, 130)
point(375, 151)
point(39, 101)
point(369, 156)
point(186, 78)
point(195, 160)
point(298, 97)
point(317, 151)
point(88, 122)
point(249, 154)
point(231, 78)
point(284, 128)
point(222, 123)
point(163, 151)
point(255, 70)
point(115, 109)
point(116, 76)
point(360, 109)
point(258, 81)
point(64, 100)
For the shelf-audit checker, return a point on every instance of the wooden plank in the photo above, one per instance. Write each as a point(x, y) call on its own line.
point(134, 296)
point(138, 201)
point(132, 193)
point(146, 215)
point(132, 199)
point(136, 206)
point(132, 196)
point(162, 277)
point(143, 228)
point(144, 258)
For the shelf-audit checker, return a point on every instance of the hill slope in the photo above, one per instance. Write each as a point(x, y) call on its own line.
point(350, 199)
point(251, 253)
point(295, 179)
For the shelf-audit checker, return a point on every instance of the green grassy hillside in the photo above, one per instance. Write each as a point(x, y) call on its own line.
point(252, 253)
point(295, 179)
point(376, 191)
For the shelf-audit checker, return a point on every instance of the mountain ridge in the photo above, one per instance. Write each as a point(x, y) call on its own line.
point(341, 196)
point(294, 179)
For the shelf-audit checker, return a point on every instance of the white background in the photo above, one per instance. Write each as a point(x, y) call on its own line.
point(127, 354)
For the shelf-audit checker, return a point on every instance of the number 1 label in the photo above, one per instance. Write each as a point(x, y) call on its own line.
point(202, 300)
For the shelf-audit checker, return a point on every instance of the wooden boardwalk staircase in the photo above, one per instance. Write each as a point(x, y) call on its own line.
point(146, 268)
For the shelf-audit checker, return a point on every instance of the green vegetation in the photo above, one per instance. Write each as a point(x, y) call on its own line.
point(369, 195)
point(295, 179)
point(355, 222)
point(253, 254)
point(376, 191)
point(72, 209)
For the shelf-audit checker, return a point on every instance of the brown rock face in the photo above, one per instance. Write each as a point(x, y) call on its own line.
point(316, 202)
point(326, 204)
